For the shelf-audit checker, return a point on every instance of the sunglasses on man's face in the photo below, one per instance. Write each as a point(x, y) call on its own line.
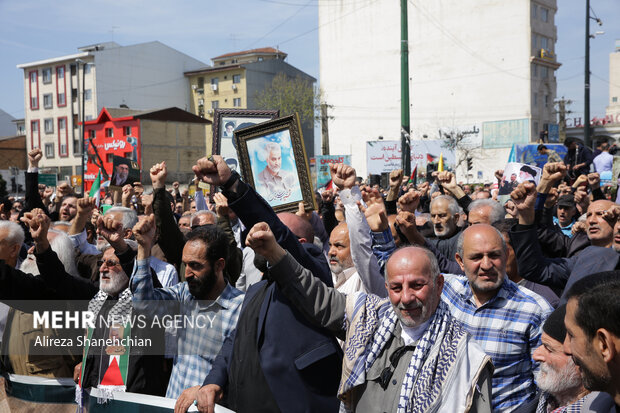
point(108, 263)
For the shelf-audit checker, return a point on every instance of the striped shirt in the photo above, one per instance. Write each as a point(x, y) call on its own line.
point(508, 327)
point(198, 346)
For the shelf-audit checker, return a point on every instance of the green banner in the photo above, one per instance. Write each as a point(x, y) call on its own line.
point(26, 393)
point(48, 179)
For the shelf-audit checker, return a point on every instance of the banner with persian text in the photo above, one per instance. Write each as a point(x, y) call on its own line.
point(385, 156)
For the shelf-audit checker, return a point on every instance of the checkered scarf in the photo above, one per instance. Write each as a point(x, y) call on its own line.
point(119, 312)
point(571, 408)
point(371, 325)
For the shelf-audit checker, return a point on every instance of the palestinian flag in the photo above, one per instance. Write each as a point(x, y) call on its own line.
point(95, 189)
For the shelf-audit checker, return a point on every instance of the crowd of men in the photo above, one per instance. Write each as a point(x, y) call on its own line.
point(433, 297)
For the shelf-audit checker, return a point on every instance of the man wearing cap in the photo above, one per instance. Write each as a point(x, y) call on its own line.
point(565, 216)
point(559, 380)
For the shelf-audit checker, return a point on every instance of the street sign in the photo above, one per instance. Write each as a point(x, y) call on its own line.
point(48, 179)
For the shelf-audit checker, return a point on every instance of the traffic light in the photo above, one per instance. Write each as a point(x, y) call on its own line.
point(470, 164)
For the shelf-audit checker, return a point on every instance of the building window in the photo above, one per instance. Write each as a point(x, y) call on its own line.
point(47, 75)
point(63, 137)
point(109, 132)
point(77, 147)
point(87, 68)
point(91, 134)
point(535, 99)
point(237, 102)
point(614, 99)
point(201, 82)
point(544, 72)
point(544, 14)
point(534, 41)
point(544, 43)
point(35, 133)
point(88, 117)
point(109, 157)
point(215, 104)
point(88, 94)
point(534, 70)
point(236, 78)
point(75, 121)
point(534, 10)
point(34, 90)
point(61, 86)
point(127, 130)
point(536, 127)
point(546, 100)
point(49, 150)
point(215, 81)
point(128, 155)
point(48, 124)
point(47, 101)
point(73, 69)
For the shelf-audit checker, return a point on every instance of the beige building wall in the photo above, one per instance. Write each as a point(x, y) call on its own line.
point(180, 144)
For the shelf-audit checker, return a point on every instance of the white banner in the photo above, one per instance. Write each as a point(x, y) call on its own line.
point(385, 156)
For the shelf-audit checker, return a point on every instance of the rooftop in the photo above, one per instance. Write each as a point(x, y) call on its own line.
point(263, 51)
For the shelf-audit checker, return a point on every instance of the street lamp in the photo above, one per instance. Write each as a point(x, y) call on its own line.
point(586, 84)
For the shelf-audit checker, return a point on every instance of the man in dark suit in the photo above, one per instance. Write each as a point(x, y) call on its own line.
point(275, 360)
point(560, 273)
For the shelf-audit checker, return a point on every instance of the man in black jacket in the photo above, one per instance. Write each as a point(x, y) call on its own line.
point(275, 360)
point(561, 273)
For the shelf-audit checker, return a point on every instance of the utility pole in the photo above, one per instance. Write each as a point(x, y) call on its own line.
point(324, 130)
point(586, 83)
point(404, 90)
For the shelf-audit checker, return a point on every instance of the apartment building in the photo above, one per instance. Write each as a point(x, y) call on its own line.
point(61, 91)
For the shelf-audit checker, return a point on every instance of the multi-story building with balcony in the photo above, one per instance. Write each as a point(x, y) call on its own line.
point(485, 67)
point(62, 91)
point(234, 81)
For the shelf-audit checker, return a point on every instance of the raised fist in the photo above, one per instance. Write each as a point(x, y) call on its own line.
point(409, 202)
point(343, 176)
point(396, 178)
point(213, 171)
point(158, 173)
point(34, 156)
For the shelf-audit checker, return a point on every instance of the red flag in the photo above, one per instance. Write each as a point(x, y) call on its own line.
point(413, 178)
point(430, 158)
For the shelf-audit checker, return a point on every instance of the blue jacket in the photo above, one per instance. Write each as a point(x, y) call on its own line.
point(301, 362)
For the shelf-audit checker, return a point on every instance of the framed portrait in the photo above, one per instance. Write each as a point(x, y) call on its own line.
point(226, 122)
point(273, 161)
point(124, 171)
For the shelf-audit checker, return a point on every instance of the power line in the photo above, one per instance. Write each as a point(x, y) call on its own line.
point(279, 25)
point(458, 42)
point(326, 23)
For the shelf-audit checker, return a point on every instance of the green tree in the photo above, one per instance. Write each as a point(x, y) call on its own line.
point(291, 95)
point(2, 187)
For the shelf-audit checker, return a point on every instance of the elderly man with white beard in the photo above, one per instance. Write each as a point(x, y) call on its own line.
point(558, 379)
point(445, 217)
point(112, 301)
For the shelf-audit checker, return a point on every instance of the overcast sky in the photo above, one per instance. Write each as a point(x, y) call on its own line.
point(32, 30)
